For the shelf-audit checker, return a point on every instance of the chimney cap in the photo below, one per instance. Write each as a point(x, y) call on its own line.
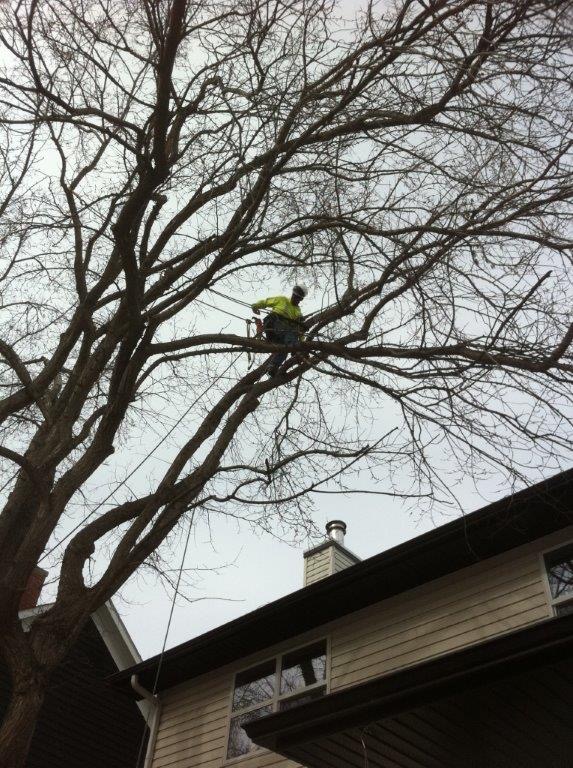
point(336, 530)
point(334, 525)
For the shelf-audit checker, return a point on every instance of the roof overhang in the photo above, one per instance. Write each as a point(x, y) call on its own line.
point(295, 733)
point(108, 622)
point(115, 636)
point(513, 521)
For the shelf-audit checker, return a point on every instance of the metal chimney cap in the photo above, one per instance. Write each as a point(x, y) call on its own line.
point(335, 530)
point(336, 525)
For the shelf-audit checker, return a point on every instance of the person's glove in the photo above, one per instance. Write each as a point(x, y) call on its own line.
point(255, 311)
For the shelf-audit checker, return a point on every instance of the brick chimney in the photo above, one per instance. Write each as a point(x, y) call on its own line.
point(329, 557)
point(34, 586)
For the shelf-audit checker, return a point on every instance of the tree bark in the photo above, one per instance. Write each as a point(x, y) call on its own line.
point(28, 689)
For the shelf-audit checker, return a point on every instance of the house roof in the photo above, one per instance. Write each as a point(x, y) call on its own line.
point(510, 522)
point(83, 722)
point(110, 626)
point(115, 635)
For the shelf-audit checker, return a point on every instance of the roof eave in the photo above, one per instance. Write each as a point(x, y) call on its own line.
point(489, 531)
point(548, 641)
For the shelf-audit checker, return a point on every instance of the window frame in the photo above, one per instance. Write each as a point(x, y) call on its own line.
point(553, 602)
point(277, 697)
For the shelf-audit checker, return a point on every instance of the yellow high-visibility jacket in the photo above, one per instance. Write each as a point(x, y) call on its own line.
point(280, 305)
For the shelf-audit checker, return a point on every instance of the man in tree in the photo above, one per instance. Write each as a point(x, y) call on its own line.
point(283, 324)
point(412, 158)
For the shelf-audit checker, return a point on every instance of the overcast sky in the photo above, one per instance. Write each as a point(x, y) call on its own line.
point(261, 569)
point(234, 569)
point(254, 568)
point(242, 569)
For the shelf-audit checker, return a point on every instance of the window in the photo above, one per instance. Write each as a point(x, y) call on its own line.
point(559, 567)
point(281, 683)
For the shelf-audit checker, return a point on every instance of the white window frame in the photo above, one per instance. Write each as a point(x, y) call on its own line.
point(553, 602)
point(277, 697)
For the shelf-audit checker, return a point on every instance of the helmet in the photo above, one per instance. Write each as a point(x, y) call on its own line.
point(300, 290)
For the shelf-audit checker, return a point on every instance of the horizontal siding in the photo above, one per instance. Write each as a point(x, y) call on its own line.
point(193, 727)
point(342, 560)
point(478, 602)
point(193, 721)
point(481, 601)
point(263, 759)
point(317, 567)
point(84, 722)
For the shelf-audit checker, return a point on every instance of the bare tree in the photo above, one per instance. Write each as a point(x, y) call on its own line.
point(410, 160)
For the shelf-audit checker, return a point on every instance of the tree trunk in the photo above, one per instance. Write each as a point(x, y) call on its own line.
point(27, 695)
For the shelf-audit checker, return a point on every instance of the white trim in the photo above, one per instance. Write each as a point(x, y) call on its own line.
point(328, 670)
point(563, 544)
point(27, 616)
point(115, 636)
point(553, 602)
point(277, 697)
point(118, 642)
point(568, 598)
point(545, 582)
point(110, 626)
point(151, 708)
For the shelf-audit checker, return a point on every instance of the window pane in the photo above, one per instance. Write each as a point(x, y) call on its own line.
point(254, 686)
point(560, 571)
point(296, 701)
point(304, 667)
point(239, 742)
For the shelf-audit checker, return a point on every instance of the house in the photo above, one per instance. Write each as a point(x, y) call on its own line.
point(454, 649)
point(84, 722)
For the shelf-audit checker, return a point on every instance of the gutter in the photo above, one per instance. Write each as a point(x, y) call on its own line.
point(515, 653)
point(154, 703)
point(510, 522)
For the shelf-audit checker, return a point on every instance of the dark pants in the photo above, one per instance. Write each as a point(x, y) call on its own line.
point(278, 330)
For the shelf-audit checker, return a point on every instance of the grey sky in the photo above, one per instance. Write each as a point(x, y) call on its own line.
point(263, 569)
point(244, 569)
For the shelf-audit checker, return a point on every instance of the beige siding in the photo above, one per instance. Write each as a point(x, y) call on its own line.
point(317, 567)
point(341, 560)
point(481, 601)
point(193, 728)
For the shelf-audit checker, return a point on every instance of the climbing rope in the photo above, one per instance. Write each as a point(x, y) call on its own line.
point(249, 354)
point(219, 309)
point(229, 298)
point(143, 461)
point(169, 620)
point(246, 304)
